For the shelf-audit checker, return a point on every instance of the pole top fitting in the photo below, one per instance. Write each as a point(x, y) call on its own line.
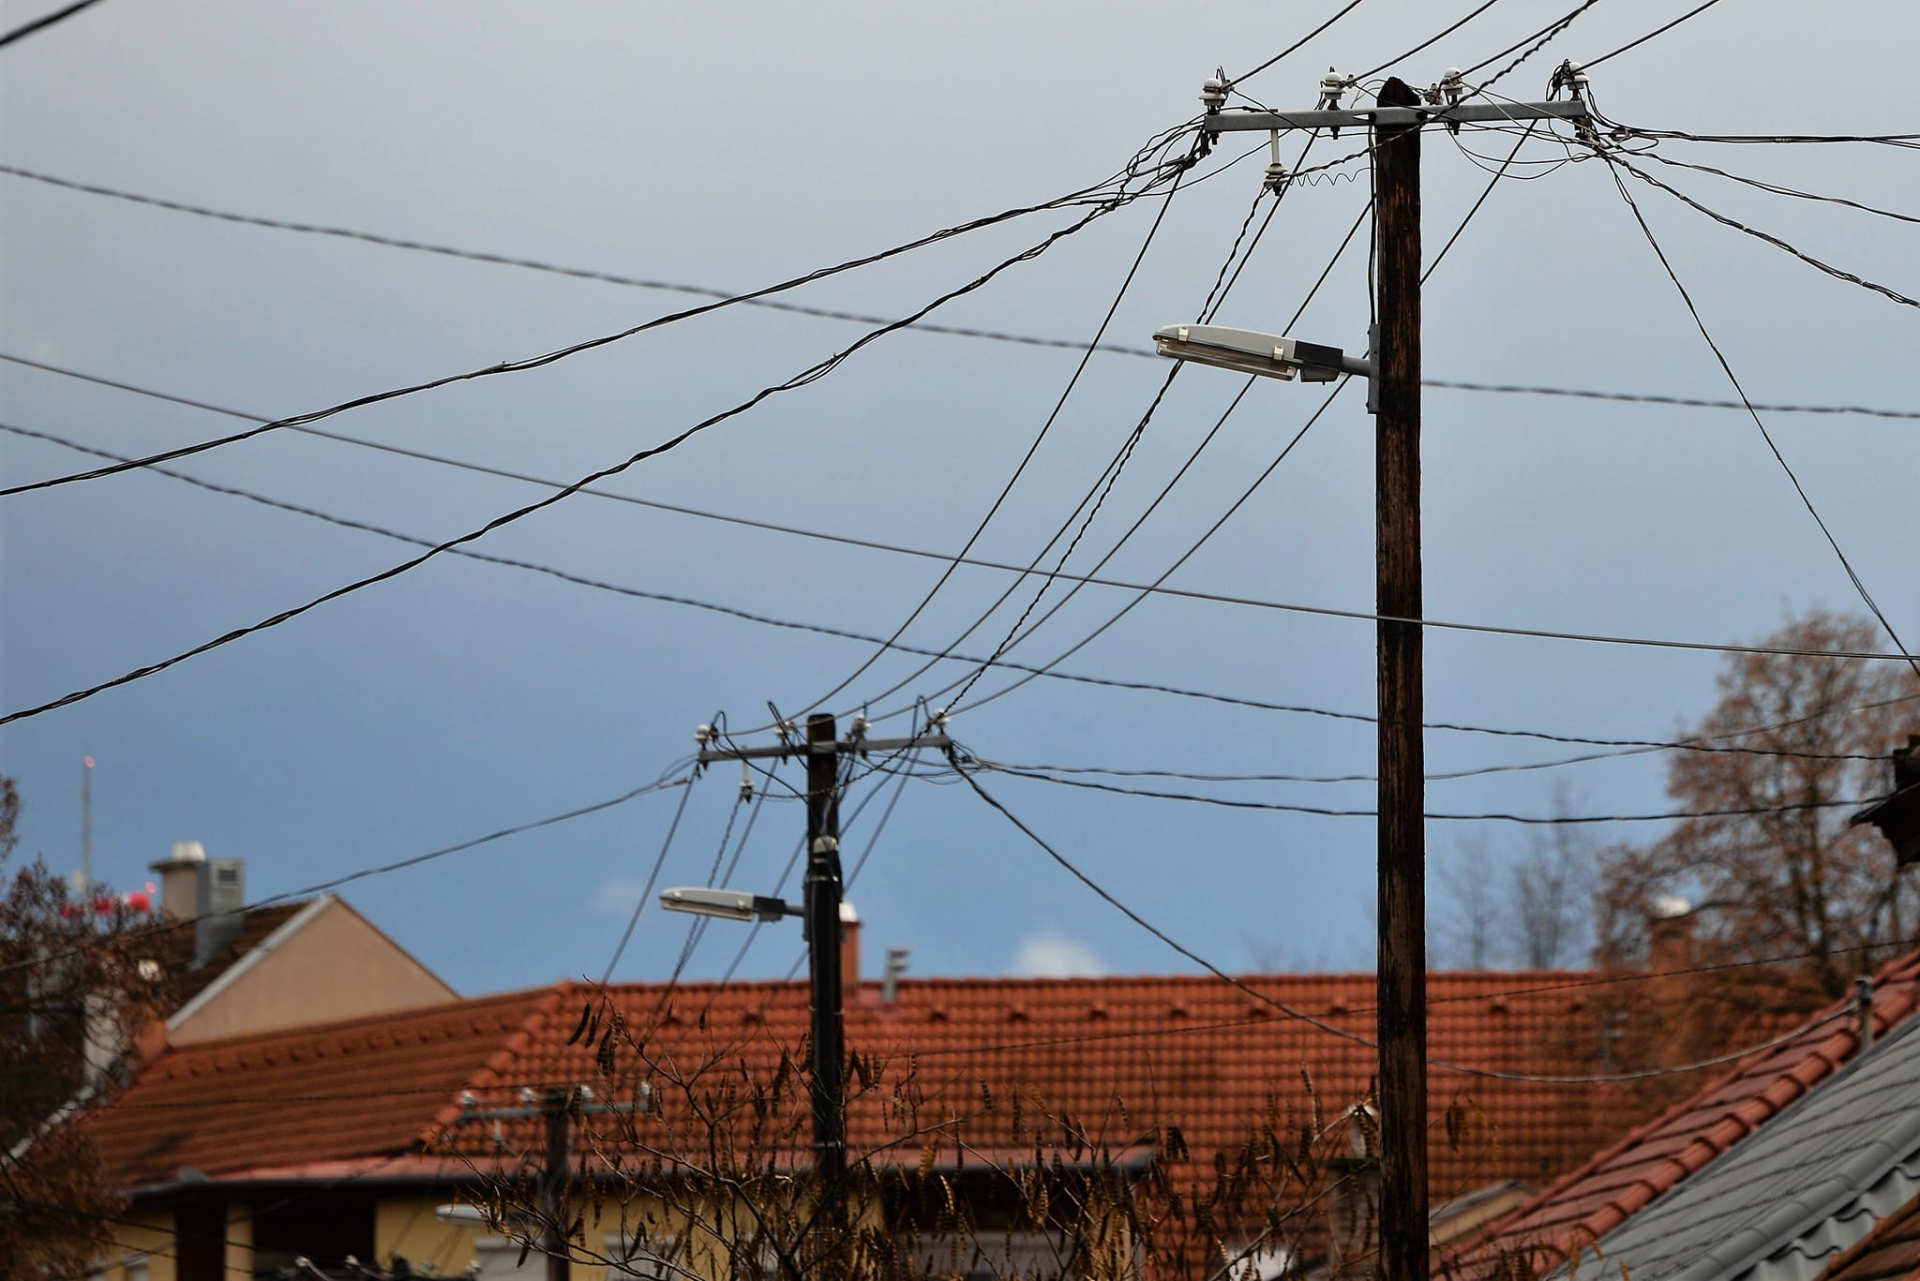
point(1213, 91)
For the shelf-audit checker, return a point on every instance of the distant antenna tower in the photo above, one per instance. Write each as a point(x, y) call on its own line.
point(86, 828)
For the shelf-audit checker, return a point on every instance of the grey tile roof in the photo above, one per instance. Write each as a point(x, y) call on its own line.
point(1782, 1202)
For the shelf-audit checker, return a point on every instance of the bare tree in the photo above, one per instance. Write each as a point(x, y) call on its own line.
point(1771, 865)
point(1471, 932)
point(1552, 888)
point(72, 995)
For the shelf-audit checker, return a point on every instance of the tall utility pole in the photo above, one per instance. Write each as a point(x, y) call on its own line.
point(823, 895)
point(1401, 975)
point(1401, 971)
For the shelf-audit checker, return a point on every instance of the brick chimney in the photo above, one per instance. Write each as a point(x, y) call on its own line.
point(849, 948)
point(1669, 933)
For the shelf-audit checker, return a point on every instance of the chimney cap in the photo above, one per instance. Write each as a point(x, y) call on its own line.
point(847, 915)
point(185, 853)
point(1668, 907)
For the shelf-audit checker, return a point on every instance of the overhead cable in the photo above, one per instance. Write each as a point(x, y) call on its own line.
point(805, 377)
point(1662, 30)
point(1322, 811)
point(1806, 500)
point(1046, 428)
point(333, 883)
point(1101, 204)
point(1773, 187)
point(41, 23)
point(1342, 1033)
point(1837, 273)
point(1624, 746)
point(1429, 41)
point(1298, 44)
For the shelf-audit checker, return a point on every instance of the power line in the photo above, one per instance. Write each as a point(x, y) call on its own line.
point(727, 296)
point(1648, 398)
point(1634, 746)
point(1101, 205)
point(646, 893)
point(415, 860)
point(802, 379)
point(1046, 428)
point(1430, 40)
point(42, 23)
point(1836, 272)
point(1535, 820)
point(1785, 139)
point(1662, 30)
point(1298, 44)
point(1540, 39)
point(1342, 1033)
point(1859, 586)
point(1775, 188)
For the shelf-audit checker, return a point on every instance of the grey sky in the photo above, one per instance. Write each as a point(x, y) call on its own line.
point(732, 145)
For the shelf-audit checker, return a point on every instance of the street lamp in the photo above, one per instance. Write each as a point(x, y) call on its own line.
point(729, 905)
point(1267, 355)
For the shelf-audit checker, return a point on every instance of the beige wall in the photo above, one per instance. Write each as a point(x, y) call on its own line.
point(335, 966)
point(155, 1233)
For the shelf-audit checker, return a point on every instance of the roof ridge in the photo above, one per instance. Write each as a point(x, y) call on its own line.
point(303, 1031)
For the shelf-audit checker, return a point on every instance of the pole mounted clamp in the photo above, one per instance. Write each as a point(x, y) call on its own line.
point(1214, 90)
point(825, 845)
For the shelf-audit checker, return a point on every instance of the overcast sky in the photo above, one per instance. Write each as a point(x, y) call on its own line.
point(731, 146)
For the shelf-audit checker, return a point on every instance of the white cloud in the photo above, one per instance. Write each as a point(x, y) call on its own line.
point(617, 895)
point(1051, 955)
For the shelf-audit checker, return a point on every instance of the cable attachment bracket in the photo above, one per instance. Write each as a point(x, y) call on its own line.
point(1277, 175)
point(1447, 92)
point(1214, 90)
point(1332, 86)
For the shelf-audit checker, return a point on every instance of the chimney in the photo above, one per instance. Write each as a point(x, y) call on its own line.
point(1669, 933)
point(211, 893)
point(849, 948)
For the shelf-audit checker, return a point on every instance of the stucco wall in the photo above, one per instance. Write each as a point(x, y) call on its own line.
point(335, 966)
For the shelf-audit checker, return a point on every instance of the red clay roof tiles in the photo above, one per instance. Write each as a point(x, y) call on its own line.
point(1592, 1200)
point(1188, 1051)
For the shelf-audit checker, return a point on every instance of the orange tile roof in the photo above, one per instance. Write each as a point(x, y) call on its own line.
point(1187, 1051)
point(1594, 1199)
point(363, 1088)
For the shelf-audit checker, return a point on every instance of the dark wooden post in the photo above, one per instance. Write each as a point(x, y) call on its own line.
point(1402, 974)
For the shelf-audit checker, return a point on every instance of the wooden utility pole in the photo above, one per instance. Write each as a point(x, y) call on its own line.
point(822, 904)
point(1396, 120)
point(1402, 970)
point(554, 1178)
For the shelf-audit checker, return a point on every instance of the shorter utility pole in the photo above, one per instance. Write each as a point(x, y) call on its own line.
point(824, 893)
point(556, 1107)
point(820, 909)
point(556, 1176)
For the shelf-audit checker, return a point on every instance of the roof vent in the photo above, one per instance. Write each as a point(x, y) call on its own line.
point(189, 852)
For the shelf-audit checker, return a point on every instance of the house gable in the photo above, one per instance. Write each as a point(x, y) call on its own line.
point(324, 962)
